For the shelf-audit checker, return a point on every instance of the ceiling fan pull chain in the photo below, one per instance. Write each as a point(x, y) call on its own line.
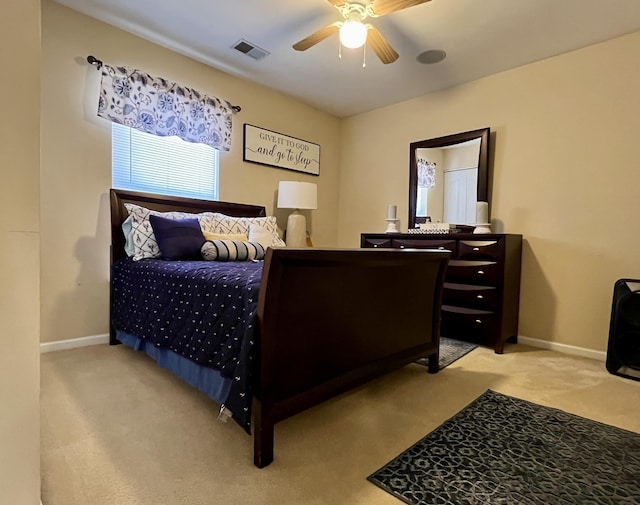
point(364, 54)
point(339, 50)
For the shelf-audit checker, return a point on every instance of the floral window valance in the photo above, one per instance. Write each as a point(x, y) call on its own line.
point(426, 173)
point(160, 107)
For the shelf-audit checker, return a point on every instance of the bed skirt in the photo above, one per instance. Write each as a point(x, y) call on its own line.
point(206, 380)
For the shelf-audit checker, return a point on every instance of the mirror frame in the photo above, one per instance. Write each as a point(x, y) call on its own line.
point(482, 193)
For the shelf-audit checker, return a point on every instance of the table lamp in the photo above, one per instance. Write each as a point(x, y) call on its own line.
point(297, 195)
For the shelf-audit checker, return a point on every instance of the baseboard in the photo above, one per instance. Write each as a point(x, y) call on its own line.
point(563, 348)
point(72, 343)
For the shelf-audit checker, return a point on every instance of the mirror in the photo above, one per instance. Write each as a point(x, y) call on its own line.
point(447, 176)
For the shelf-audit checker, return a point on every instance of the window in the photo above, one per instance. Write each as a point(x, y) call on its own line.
point(164, 165)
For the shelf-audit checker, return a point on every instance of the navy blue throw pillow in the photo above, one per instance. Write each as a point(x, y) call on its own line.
point(178, 239)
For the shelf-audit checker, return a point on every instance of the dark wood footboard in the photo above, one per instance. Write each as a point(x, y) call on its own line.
point(332, 319)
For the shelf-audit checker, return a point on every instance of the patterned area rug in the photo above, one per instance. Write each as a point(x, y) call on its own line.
point(450, 351)
point(503, 450)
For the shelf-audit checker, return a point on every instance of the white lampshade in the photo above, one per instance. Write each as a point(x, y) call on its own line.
point(297, 195)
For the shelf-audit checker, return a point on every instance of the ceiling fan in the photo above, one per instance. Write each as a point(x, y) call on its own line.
point(354, 32)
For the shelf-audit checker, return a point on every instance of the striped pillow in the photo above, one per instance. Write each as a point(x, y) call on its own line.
point(231, 250)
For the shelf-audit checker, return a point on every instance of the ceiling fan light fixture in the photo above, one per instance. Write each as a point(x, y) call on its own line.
point(353, 34)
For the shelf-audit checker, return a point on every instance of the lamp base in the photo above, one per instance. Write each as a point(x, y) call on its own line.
point(296, 235)
point(392, 226)
point(482, 228)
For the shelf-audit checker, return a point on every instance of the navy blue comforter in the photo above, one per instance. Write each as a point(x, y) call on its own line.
point(205, 311)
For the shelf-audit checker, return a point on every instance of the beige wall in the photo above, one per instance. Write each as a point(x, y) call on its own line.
point(565, 175)
point(19, 252)
point(76, 159)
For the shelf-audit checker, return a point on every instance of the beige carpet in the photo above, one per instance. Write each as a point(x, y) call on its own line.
point(119, 430)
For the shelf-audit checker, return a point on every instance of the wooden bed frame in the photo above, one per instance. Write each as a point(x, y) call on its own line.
point(329, 319)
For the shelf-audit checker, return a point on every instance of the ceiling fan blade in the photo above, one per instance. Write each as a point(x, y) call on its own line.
point(382, 7)
point(337, 3)
point(316, 37)
point(380, 46)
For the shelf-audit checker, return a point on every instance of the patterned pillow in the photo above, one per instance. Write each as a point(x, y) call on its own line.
point(142, 237)
point(231, 250)
point(221, 223)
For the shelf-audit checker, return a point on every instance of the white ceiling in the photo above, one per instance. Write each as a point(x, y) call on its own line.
point(480, 37)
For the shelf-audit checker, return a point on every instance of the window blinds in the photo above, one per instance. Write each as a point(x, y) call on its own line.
point(163, 165)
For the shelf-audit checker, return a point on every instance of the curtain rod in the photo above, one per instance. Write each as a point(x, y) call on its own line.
point(98, 63)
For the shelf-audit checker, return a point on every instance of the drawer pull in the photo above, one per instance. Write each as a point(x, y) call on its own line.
point(375, 245)
point(480, 272)
point(401, 247)
point(476, 248)
point(478, 321)
point(441, 248)
point(480, 297)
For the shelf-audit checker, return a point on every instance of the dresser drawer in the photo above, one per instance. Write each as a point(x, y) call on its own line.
point(480, 249)
point(478, 326)
point(442, 244)
point(375, 242)
point(480, 296)
point(469, 295)
point(474, 272)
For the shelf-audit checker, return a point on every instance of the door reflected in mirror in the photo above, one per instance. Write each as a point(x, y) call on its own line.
point(447, 176)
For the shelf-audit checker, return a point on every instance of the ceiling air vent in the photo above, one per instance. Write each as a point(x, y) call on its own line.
point(250, 49)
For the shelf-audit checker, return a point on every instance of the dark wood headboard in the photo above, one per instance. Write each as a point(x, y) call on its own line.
point(163, 203)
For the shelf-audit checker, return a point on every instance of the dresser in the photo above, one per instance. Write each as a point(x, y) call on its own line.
point(481, 294)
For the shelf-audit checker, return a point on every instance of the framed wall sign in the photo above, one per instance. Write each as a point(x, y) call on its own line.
point(282, 151)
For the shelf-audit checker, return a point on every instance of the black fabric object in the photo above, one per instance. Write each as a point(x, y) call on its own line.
point(205, 311)
point(504, 450)
point(623, 349)
point(178, 239)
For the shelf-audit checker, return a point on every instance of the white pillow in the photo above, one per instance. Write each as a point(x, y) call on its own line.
point(142, 237)
point(260, 234)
